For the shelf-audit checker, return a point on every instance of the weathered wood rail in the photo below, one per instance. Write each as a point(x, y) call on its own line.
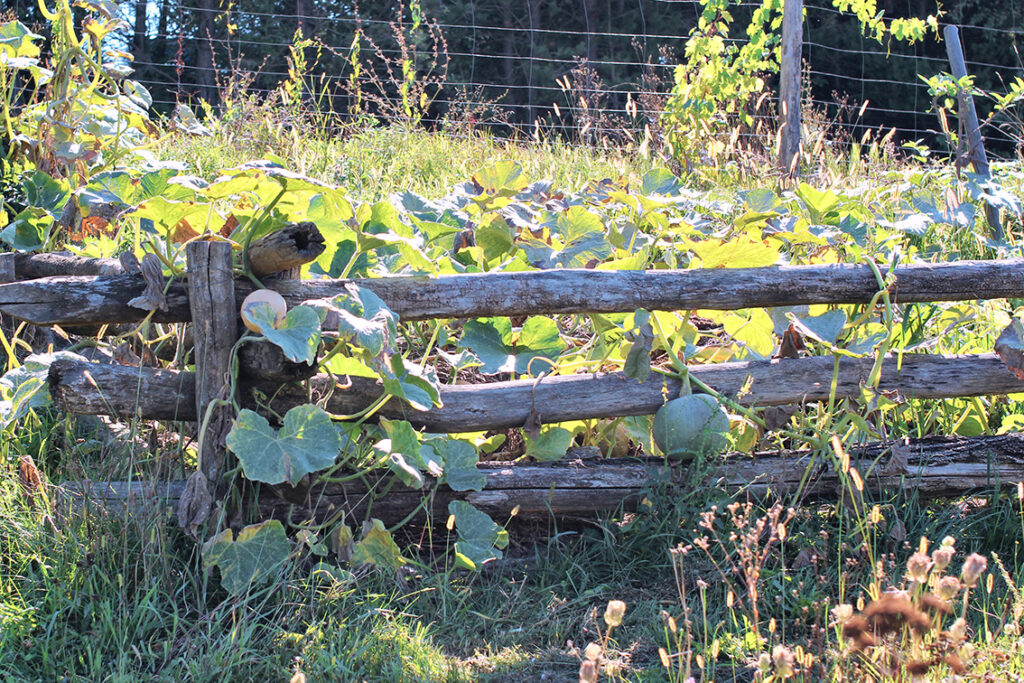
point(98, 299)
point(936, 467)
point(95, 388)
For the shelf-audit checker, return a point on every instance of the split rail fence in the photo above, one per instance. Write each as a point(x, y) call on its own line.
point(98, 293)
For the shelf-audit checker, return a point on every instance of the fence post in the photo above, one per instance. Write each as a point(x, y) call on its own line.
point(789, 85)
point(969, 120)
point(211, 292)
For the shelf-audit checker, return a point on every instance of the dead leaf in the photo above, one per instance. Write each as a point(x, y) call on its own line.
point(229, 226)
point(124, 355)
point(807, 557)
point(533, 422)
point(153, 297)
point(194, 504)
point(31, 479)
point(899, 462)
point(792, 343)
point(1010, 347)
point(129, 264)
point(91, 226)
point(776, 417)
point(898, 531)
point(182, 232)
point(464, 240)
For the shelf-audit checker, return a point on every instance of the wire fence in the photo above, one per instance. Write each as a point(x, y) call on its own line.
point(525, 71)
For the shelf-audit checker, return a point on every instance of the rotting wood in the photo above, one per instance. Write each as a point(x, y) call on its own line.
point(104, 299)
point(212, 300)
point(86, 388)
point(33, 266)
point(932, 467)
point(293, 245)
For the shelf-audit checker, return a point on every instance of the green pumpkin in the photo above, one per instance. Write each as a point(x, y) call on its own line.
point(691, 426)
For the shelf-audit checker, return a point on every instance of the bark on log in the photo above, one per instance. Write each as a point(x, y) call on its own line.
point(104, 299)
point(32, 266)
point(293, 245)
point(934, 467)
point(123, 391)
point(499, 405)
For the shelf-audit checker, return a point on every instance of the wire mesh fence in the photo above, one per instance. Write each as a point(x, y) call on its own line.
point(583, 68)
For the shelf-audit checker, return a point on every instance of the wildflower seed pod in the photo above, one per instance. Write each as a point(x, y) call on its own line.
point(974, 566)
point(614, 612)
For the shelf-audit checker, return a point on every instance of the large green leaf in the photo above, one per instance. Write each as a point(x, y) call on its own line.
point(257, 554)
point(490, 340)
point(819, 203)
point(417, 386)
point(298, 335)
point(551, 444)
point(459, 460)
point(583, 234)
point(660, 181)
point(28, 230)
point(480, 538)
point(824, 328)
point(402, 452)
point(377, 547)
point(16, 40)
point(44, 192)
point(365, 320)
point(539, 338)
point(307, 442)
point(500, 179)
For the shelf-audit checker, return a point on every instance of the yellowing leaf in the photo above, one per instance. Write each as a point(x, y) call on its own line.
point(742, 252)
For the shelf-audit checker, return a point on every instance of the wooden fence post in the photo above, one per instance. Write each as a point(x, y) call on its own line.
point(211, 291)
point(789, 86)
point(969, 120)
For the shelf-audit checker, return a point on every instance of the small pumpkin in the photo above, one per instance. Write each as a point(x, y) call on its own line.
point(263, 296)
point(691, 426)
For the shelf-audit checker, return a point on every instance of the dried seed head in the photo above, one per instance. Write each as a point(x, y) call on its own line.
point(842, 613)
point(942, 556)
point(592, 652)
point(948, 587)
point(784, 661)
point(974, 566)
point(588, 671)
point(958, 631)
point(918, 567)
point(614, 612)
point(764, 663)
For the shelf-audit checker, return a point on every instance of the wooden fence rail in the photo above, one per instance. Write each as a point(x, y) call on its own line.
point(99, 299)
point(97, 388)
point(935, 467)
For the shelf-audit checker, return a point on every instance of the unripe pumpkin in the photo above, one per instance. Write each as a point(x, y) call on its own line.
point(263, 296)
point(691, 426)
